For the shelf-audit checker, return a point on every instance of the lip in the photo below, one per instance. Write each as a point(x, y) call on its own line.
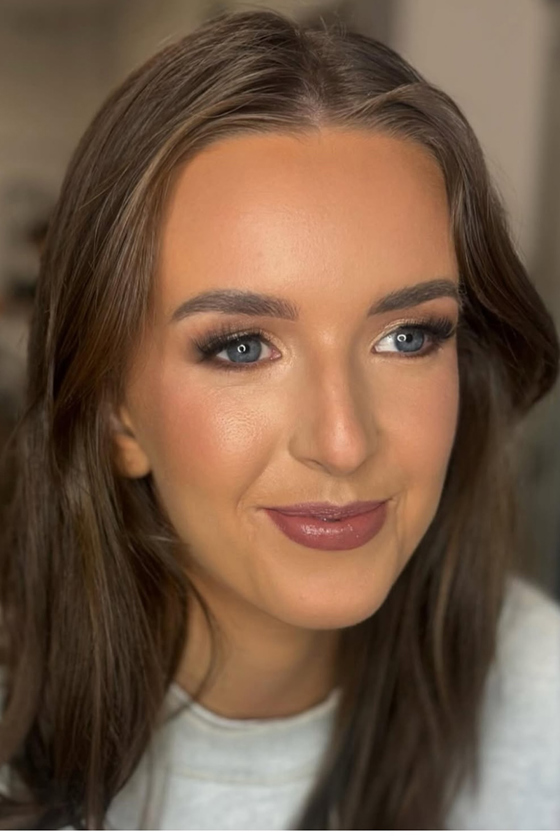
point(342, 535)
point(328, 510)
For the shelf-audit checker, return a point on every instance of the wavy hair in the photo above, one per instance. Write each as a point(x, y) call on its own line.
point(93, 598)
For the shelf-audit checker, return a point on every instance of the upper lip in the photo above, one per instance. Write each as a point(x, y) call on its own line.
point(328, 509)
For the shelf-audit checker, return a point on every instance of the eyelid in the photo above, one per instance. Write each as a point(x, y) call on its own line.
point(231, 332)
point(418, 321)
point(232, 329)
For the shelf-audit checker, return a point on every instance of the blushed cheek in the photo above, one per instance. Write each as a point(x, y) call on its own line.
point(425, 436)
point(207, 444)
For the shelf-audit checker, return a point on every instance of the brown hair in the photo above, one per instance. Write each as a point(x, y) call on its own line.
point(94, 600)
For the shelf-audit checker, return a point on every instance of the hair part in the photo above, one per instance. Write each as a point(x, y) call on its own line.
point(94, 597)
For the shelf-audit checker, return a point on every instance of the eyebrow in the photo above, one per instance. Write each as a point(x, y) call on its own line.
point(240, 302)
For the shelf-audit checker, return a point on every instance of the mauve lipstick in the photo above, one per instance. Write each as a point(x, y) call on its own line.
point(327, 509)
point(354, 526)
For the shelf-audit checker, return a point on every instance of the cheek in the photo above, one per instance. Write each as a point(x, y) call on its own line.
point(206, 443)
point(421, 426)
point(424, 423)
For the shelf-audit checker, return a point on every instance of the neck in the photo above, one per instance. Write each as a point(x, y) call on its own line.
point(265, 668)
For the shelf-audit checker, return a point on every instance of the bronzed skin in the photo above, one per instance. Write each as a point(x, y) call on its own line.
point(332, 221)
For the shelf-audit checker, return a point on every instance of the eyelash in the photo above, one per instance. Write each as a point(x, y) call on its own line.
point(438, 329)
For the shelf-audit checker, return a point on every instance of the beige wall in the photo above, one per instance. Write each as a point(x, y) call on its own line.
point(491, 56)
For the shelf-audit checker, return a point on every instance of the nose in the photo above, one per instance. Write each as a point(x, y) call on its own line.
point(335, 426)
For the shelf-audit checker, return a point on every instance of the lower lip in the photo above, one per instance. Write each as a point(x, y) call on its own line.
point(350, 532)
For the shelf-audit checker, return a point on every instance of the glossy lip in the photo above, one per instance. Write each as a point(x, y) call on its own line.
point(320, 509)
point(331, 535)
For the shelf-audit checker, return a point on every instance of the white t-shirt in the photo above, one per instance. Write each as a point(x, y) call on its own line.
point(211, 772)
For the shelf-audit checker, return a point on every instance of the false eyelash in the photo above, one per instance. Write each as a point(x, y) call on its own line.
point(217, 340)
point(439, 329)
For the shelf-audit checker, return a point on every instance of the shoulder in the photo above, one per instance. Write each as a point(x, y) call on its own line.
point(525, 680)
point(519, 772)
point(528, 644)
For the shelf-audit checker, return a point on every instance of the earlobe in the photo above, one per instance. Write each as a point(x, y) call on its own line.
point(131, 459)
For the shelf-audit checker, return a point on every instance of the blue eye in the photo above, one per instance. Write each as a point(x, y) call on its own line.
point(245, 349)
point(240, 347)
point(407, 340)
point(419, 339)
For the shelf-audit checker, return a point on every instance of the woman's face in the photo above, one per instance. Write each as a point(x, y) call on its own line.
point(331, 406)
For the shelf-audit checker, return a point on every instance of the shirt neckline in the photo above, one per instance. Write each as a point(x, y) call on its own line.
point(323, 708)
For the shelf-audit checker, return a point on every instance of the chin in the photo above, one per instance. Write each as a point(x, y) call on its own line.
point(334, 613)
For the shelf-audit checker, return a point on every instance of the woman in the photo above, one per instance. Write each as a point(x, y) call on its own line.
point(277, 275)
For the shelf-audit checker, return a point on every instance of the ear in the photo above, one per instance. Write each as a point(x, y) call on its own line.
point(132, 460)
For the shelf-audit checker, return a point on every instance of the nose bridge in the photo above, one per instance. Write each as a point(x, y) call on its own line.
point(336, 414)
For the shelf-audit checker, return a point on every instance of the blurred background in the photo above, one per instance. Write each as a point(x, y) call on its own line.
point(499, 59)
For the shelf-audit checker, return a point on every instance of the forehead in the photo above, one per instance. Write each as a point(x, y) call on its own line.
point(334, 207)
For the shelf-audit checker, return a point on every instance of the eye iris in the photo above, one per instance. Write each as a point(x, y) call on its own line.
point(406, 339)
point(246, 356)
